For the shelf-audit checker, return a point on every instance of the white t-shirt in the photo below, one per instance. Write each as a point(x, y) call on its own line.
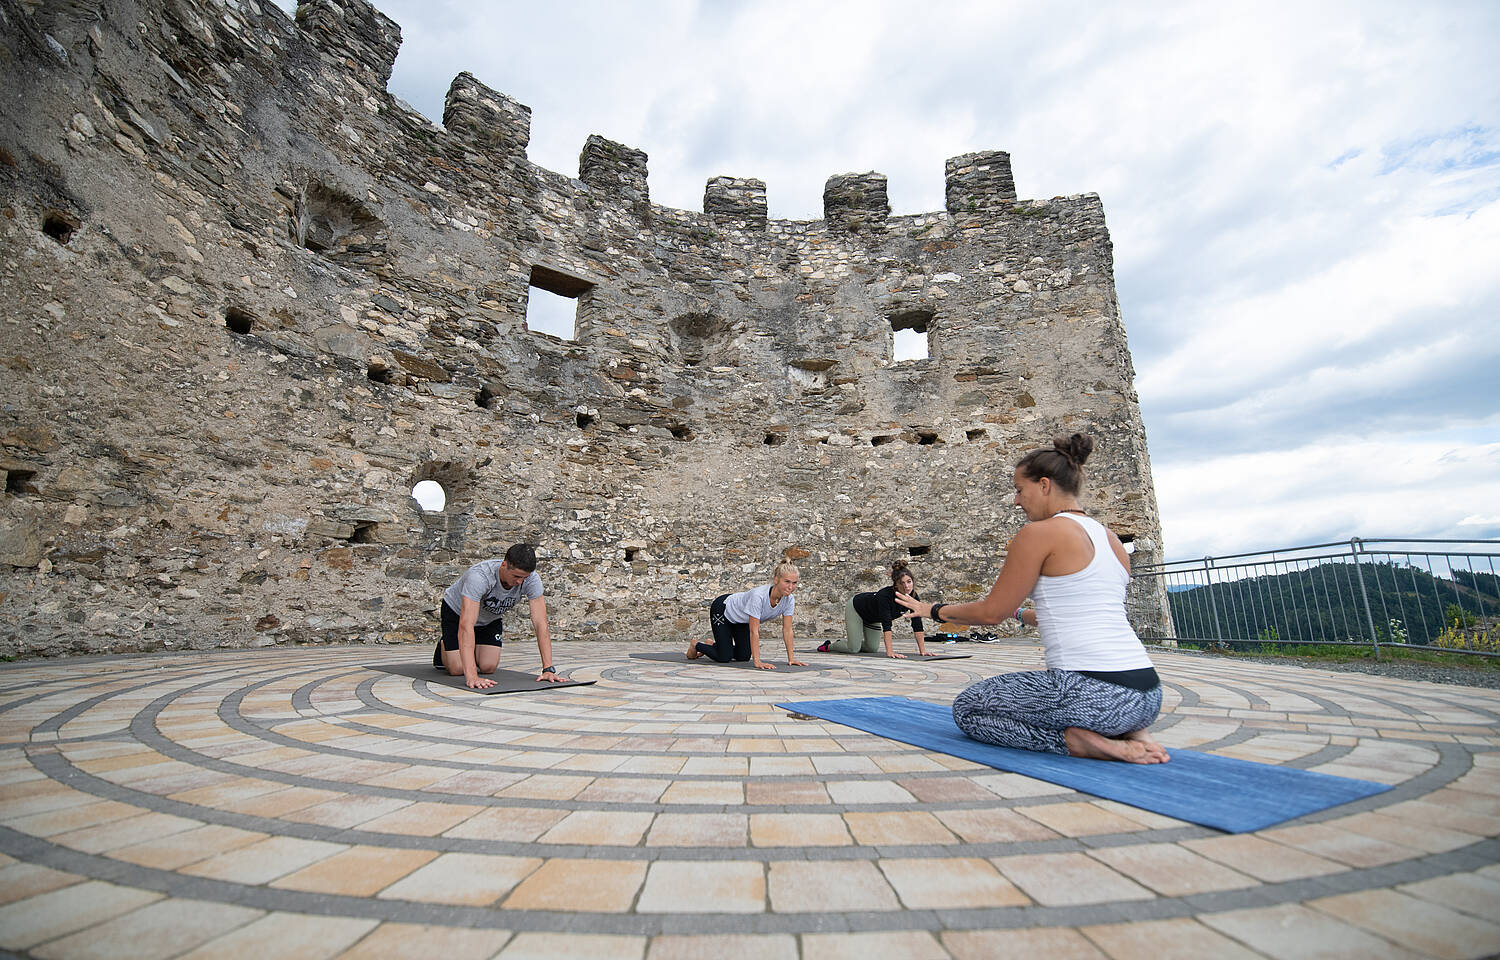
point(481, 583)
point(756, 602)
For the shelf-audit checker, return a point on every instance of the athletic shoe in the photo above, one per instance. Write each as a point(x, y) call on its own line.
point(823, 647)
point(988, 638)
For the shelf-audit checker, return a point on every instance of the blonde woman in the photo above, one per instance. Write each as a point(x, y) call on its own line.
point(735, 619)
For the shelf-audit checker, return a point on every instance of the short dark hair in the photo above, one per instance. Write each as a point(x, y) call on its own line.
point(521, 556)
point(1063, 464)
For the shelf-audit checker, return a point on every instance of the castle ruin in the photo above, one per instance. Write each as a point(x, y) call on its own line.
point(250, 299)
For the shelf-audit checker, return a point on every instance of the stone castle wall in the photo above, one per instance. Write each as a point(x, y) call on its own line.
point(250, 298)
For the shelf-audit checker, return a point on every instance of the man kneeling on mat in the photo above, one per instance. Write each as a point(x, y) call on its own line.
point(1099, 692)
point(472, 612)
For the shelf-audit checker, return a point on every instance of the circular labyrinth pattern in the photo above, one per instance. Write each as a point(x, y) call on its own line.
point(305, 802)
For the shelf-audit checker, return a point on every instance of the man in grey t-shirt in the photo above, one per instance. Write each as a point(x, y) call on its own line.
point(472, 614)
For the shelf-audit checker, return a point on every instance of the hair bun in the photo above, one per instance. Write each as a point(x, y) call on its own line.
point(1076, 448)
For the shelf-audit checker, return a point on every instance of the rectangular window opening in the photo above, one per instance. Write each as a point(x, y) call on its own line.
point(552, 302)
point(909, 345)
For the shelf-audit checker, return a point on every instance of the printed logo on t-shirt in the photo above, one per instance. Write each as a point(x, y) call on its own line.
point(499, 604)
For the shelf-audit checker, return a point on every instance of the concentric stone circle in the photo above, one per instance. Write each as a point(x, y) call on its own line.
point(195, 800)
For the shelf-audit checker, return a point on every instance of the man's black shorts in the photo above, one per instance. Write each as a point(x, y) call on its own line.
point(485, 636)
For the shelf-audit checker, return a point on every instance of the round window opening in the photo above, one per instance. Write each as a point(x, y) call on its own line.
point(430, 496)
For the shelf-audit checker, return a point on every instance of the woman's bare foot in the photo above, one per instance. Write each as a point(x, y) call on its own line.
point(1153, 749)
point(693, 653)
point(1096, 746)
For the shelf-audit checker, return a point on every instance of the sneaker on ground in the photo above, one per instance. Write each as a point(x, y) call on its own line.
point(823, 647)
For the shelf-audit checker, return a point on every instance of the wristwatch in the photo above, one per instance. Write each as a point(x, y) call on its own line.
point(549, 669)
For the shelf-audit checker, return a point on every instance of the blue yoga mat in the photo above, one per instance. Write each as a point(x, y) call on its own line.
point(1236, 796)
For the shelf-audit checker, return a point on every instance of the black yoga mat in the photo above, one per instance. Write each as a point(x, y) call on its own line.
point(679, 657)
point(506, 681)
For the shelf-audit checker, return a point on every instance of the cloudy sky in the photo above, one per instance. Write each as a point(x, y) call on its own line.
point(1304, 200)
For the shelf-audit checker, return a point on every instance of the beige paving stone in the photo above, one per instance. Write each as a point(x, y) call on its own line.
point(855, 792)
point(623, 790)
point(846, 763)
point(711, 792)
point(423, 818)
point(993, 825)
point(613, 828)
point(799, 886)
point(510, 824)
point(716, 767)
point(909, 763)
point(285, 936)
point(781, 767)
point(1079, 819)
point(264, 860)
point(1182, 938)
point(1068, 879)
point(1421, 836)
point(1470, 892)
point(1014, 786)
point(704, 886)
point(1171, 870)
point(1055, 943)
point(47, 916)
point(279, 803)
point(157, 931)
point(950, 883)
point(1417, 924)
point(1145, 818)
point(1341, 846)
point(740, 946)
point(892, 945)
point(546, 786)
point(573, 946)
point(1262, 859)
point(799, 830)
point(584, 886)
point(1446, 815)
point(469, 879)
point(788, 793)
point(951, 789)
point(413, 777)
point(360, 871)
point(180, 849)
point(651, 765)
point(699, 830)
point(897, 827)
point(403, 941)
point(1294, 932)
point(486, 783)
point(77, 817)
point(19, 881)
point(40, 796)
point(346, 811)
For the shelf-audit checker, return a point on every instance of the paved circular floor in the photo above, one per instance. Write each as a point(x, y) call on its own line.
point(296, 803)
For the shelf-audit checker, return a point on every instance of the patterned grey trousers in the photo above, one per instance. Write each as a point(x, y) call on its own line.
point(1031, 710)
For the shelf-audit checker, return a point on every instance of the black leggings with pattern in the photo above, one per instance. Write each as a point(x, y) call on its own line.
point(1031, 710)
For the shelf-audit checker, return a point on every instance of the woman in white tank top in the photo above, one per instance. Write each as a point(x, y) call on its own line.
point(1099, 692)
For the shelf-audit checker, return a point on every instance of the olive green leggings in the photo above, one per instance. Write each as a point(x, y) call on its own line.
point(863, 638)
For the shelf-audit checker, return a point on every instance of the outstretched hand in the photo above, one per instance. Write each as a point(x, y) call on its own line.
point(552, 678)
point(478, 683)
point(916, 607)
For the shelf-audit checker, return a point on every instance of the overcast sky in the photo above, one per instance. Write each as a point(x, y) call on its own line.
point(1304, 200)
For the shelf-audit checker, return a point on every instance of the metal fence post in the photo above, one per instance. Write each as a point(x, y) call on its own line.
point(1208, 562)
point(1359, 572)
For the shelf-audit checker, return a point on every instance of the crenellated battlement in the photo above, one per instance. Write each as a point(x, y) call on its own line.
point(256, 298)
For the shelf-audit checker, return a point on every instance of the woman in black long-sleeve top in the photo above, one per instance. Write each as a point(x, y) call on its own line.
point(868, 618)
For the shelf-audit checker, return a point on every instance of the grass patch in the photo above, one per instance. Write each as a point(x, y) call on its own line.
point(1330, 653)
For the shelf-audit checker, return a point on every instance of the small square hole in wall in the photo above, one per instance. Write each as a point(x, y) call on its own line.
point(909, 334)
point(552, 302)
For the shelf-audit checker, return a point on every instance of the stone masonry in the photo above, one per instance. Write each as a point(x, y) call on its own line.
point(249, 298)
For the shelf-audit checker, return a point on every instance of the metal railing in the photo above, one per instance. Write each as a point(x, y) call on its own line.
point(1436, 594)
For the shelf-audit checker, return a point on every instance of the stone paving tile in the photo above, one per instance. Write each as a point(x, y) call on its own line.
point(1417, 924)
point(1068, 879)
point(600, 828)
point(950, 883)
point(510, 824)
point(699, 830)
point(285, 936)
point(824, 887)
point(582, 886)
point(713, 792)
point(1342, 846)
point(469, 879)
point(346, 811)
point(190, 846)
point(123, 833)
point(573, 946)
point(264, 860)
point(1179, 939)
point(740, 946)
point(1171, 870)
point(1294, 932)
point(76, 817)
point(1262, 859)
point(422, 818)
point(623, 790)
point(1079, 819)
point(18, 881)
point(402, 941)
point(1425, 837)
point(1053, 944)
point(856, 792)
point(57, 913)
point(799, 830)
point(897, 827)
point(896, 945)
point(160, 930)
point(789, 792)
point(700, 886)
point(1470, 892)
point(993, 826)
point(357, 872)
